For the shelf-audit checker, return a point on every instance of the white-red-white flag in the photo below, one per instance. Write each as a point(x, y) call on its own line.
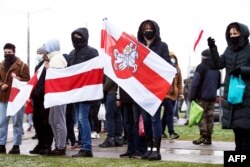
point(20, 93)
point(80, 82)
point(197, 41)
point(143, 74)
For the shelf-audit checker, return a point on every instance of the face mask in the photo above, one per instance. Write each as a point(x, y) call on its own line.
point(149, 34)
point(9, 57)
point(235, 40)
point(77, 41)
point(39, 57)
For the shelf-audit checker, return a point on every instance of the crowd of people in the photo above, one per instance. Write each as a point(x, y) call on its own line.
point(123, 115)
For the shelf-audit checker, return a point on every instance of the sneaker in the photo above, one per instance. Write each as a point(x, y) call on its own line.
point(174, 136)
point(14, 150)
point(199, 141)
point(83, 153)
point(95, 135)
point(2, 149)
point(137, 155)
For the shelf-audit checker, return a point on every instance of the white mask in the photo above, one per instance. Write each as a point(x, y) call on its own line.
point(39, 57)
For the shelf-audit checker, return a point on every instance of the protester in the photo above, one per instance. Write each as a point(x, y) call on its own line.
point(11, 67)
point(113, 115)
point(57, 114)
point(43, 130)
point(236, 60)
point(132, 111)
point(149, 35)
point(175, 92)
point(82, 52)
point(204, 86)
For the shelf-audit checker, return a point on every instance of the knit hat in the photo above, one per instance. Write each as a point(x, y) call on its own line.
point(42, 50)
point(206, 53)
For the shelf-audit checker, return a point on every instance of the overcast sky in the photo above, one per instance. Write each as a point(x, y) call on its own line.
point(180, 22)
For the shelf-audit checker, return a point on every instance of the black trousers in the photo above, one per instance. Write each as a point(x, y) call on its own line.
point(242, 139)
point(41, 124)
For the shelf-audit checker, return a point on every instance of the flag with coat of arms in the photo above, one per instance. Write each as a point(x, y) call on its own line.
point(143, 74)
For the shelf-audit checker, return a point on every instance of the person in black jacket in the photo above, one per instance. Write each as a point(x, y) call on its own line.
point(236, 61)
point(40, 114)
point(82, 52)
point(149, 35)
point(204, 86)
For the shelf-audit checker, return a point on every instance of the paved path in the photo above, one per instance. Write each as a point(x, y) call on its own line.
point(176, 151)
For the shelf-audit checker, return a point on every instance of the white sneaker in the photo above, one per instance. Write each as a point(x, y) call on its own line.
point(95, 135)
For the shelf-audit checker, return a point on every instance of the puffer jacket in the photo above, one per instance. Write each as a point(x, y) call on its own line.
point(235, 116)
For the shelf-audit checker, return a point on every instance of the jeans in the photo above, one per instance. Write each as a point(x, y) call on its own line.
point(113, 117)
point(168, 117)
point(17, 120)
point(152, 124)
point(82, 111)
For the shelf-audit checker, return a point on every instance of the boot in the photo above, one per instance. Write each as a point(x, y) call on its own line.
point(2, 149)
point(207, 140)
point(199, 141)
point(156, 155)
point(15, 150)
point(109, 142)
point(149, 142)
point(36, 149)
point(119, 141)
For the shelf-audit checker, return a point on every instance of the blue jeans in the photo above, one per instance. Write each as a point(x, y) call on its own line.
point(82, 111)
point(168, 117)
point(17, 120)
point(152, 124)
point(113, 117)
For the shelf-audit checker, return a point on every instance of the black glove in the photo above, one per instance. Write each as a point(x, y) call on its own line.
point(235, 72)
point(211, 42)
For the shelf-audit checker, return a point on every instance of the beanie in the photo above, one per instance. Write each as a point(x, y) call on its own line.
point(42, 50)
point(206, 53)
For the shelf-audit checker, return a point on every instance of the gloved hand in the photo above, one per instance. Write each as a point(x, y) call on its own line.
point(211, 42)
point(235, 72)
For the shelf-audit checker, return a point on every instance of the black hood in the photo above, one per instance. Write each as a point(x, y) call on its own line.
point(84, 33)
point(244, 34)
point(157, 32)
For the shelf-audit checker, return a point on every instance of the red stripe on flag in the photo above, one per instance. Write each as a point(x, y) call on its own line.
point(150, 79)
point(198, 39)
point(145, 75)
point(63, 84)
point(13, 93)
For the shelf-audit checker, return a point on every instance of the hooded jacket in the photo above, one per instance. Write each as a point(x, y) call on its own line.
point(159, 47)
point(83, 52)
point(238, 115)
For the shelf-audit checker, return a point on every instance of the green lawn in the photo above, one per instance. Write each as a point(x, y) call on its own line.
point(38, 161)
point(190, 133)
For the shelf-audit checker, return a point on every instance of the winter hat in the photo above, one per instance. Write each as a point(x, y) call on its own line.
point(52, 45)
point(206, 53)
point(42, 50)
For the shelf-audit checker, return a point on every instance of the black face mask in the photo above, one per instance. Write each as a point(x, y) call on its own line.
point(77, 41)
point(235, 40)
point(149, 34)
point(11, 58)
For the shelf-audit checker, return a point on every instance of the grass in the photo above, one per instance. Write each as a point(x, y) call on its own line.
point(190, 133)
point(39, 161)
